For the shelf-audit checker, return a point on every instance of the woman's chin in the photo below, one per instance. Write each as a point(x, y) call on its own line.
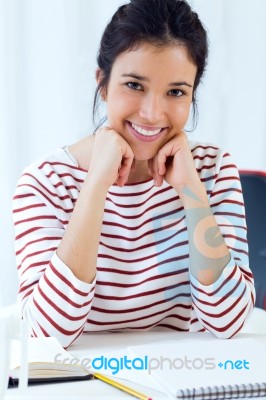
point(142, 155)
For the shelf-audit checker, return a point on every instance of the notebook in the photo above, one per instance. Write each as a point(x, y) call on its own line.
point(44, 359)
point(207, 369)
point(50, 363)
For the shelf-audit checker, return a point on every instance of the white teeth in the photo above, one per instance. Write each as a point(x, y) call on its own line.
point(145, 132)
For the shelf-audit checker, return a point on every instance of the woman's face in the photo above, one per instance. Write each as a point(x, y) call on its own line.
point(149, 96)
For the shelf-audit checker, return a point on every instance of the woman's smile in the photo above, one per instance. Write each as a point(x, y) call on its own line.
point(146, 134)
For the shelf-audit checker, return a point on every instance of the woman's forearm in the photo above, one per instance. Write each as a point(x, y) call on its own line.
point(208, 251)
point(79, 246)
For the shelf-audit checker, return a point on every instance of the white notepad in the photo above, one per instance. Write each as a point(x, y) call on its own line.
point(42, 359)
point(188, 365)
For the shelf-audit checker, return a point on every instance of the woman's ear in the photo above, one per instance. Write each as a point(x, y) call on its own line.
point(99, 78)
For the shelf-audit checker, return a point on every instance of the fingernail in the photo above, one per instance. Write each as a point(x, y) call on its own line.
point(155, 182)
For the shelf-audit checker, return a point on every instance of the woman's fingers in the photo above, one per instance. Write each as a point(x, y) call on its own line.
point(116, 159)
point(161, 164)
point(154, 171)
point(127, 164)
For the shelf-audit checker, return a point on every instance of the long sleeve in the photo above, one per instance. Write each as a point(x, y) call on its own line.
point(54, 302)
point(143, 275)
point(222, 307)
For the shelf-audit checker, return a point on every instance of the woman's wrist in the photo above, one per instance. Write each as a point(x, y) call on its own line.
point(95, 185)
point(193, 195)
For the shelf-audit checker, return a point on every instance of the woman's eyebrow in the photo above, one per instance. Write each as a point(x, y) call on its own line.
point(145, 79)
point(183, 83)
point(135, 76)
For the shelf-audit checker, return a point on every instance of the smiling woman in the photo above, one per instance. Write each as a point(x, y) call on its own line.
point(135, 227)
point(149, 95)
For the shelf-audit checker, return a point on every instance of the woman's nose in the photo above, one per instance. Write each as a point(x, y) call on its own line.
point(151, 108)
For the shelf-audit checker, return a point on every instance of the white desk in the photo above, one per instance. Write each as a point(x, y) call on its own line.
point(106, 342)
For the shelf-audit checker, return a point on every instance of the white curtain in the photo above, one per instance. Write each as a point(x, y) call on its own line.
point(47, 61)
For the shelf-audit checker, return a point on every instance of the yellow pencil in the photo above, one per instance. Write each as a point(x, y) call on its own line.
point(122, 387)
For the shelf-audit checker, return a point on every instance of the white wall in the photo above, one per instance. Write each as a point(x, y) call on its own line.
point(47, 61)
point(233, 98)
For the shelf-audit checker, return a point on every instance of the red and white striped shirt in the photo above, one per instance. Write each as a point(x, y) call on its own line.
point(143, 278)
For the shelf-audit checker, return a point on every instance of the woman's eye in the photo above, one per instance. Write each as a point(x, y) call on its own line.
point(176, 92)
point(134, 85)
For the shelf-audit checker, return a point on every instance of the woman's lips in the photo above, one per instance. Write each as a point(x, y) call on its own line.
point(145, 138)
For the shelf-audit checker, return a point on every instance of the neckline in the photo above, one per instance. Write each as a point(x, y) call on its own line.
point(73, 160)
point(135, 183)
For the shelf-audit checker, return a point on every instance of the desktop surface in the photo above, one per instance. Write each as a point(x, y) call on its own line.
point(107, 342)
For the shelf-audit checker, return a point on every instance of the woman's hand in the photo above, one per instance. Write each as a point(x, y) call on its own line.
point(175, 164)
point(112, 158)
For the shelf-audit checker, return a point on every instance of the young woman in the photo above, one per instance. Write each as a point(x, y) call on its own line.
point(135, 227)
